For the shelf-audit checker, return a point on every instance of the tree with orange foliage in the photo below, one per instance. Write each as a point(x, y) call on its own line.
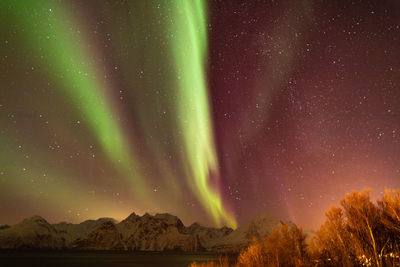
point(254, 255)
point(333, 243)
point(359, 233)
point(390, 207)
point(284, 247)
point(363, 222)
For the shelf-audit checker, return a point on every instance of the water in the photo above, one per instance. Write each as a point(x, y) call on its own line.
point(101, 259)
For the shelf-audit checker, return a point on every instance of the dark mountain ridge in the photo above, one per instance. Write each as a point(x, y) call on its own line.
point(160, 232)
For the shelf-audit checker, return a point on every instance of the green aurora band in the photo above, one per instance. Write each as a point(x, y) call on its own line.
point(57, 38)
point(51, 29)
point(189, 48)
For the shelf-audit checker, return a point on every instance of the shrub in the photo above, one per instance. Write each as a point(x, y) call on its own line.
point(358, 233)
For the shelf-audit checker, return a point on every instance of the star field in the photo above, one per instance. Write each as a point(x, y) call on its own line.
point(215, 111)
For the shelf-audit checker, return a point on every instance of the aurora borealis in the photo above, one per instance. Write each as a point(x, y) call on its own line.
point(215, 111)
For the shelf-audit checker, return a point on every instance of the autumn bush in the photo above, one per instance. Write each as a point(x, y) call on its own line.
point(222, 262)
point(360, 232)
point(357, 233)
point(285, 246)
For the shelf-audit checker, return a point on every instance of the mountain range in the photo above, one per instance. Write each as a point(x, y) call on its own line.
point(160, 232)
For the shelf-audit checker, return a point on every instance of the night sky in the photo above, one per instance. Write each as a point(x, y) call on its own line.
point(215, 111)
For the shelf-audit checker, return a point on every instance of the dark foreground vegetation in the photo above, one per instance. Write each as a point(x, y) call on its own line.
point(72, 258)
point(358, 233)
